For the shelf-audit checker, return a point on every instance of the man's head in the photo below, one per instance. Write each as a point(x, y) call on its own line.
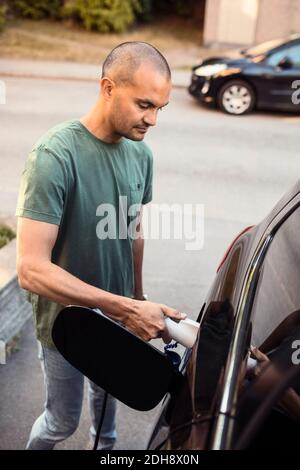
point(135, 85)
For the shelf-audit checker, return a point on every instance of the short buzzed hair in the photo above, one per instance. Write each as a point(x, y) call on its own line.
point(126, 58)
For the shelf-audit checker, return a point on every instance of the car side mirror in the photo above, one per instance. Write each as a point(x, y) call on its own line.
point(130, 369)
point(285, 63)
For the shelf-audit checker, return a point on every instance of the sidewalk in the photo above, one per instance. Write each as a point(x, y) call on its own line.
point(68, 71)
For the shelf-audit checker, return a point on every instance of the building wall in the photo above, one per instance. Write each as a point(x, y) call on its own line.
point(210, 35)
point(247, 22)
point(277, 18)
point(237, 21)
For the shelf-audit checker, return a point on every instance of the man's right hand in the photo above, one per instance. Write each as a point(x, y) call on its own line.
point(146, 320)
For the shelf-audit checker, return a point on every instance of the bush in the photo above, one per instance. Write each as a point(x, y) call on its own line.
point(3, 9)
point(183, 8)
point(103, 15)
point(38, 9)
point(6, 235)
point(145, 14)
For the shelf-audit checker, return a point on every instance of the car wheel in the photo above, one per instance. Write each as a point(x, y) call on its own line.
point(236, 97)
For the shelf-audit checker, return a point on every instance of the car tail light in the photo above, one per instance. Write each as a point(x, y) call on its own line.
point(231, 245)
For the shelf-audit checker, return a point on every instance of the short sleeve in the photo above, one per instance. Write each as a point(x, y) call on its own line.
point(43, 187)
point(147, 197)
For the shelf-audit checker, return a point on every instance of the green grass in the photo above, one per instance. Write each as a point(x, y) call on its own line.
point(6, 235)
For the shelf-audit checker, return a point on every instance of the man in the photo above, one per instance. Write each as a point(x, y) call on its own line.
point(63, 257)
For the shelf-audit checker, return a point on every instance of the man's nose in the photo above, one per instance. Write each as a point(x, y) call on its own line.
point(150, 117)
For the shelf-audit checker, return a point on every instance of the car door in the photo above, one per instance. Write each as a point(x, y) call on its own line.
point(279, 79)
point(269, 301)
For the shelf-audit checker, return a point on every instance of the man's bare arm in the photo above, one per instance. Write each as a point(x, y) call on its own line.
point(138, 252)
point(36, 273)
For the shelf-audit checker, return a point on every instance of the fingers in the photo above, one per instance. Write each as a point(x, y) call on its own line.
point(258, 354)
point(166, 336)
point(150, 321)
point(172, 313)
point(160, 331)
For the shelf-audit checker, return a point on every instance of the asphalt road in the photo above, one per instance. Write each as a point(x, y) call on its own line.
point(237, 167)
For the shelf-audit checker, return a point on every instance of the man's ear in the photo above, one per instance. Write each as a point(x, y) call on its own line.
point(107, 86)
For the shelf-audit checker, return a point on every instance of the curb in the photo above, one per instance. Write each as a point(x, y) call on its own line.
point(14, 308)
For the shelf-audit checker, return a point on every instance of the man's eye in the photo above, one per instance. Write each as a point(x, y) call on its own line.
point(147, 106)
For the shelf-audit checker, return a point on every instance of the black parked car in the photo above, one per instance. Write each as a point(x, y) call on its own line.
point(217, 396)
point(266, 76)
point(223, 401)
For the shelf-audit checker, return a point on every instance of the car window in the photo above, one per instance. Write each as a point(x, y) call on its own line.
point(276, 57)
point(277, 299)
point(276, 336)
point(293, 53)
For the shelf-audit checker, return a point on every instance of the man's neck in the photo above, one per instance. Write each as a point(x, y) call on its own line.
point(98, 126)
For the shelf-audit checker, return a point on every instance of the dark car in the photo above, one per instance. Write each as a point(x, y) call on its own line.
point(222, 393)
point(226, 400)
point(266, 76)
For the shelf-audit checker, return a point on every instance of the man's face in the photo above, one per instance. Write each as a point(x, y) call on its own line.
point(134, 106)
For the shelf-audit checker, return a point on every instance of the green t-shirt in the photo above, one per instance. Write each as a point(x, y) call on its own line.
point(69, 175)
